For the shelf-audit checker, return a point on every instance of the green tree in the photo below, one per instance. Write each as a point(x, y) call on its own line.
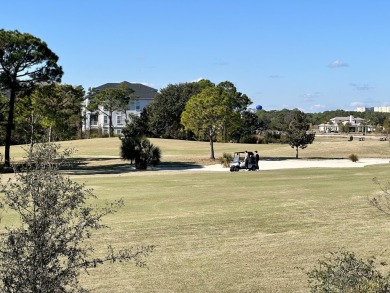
point(298, 135)
point(240, 101)
point(208, 113)
point(168, 105)
point(109, 100)
point(28, 128)
point(386, 127)
point(24, 62)
point(54, 109)
point(3, 116)
point(61, 110)
point(50, 246)
point(263, 120)
point(248, 127)
point(280, 120)
point(147, 154)
point(135, 126)
point(136, 147)
point(140, 150)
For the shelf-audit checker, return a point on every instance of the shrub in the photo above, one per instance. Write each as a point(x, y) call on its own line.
point(226, 159)
point(141, 151)
point(354, 158)
point(273, 137)
point(50, 245)
point(342, 271)
point(252, 139)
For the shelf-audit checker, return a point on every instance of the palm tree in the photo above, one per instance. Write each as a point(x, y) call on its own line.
point(141, 150)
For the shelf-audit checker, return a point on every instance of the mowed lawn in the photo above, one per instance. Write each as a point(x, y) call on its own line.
point(232, 232)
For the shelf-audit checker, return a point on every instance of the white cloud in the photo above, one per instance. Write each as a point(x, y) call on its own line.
point(338, 64)
point(198, 79)
point(317, 107)
point(309, 97)
point(144, 83)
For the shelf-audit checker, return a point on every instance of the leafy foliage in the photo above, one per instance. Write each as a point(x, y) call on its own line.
point(109, 100)
point(209, 113)
point(25, 61)
point(248, 127)
point(135, 147)
point(353, 157)
point(343, 271)
point(226, 159)
point(46, 252)
point(53, 111)
point(167, 107)
point(298, 134)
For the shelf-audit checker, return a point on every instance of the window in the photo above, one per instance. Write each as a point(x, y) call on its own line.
point(119, 120)
point(105, 119)
point(132, 105)
point(94, 119)
point(118, 131)
point(135, 106)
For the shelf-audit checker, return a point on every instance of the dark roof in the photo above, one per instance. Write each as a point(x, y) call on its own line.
point(140, 90)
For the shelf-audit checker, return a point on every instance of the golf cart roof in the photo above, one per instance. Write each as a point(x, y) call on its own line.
point(238, 153)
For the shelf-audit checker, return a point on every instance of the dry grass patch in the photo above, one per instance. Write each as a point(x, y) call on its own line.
point(231, 232)
point(237, 232)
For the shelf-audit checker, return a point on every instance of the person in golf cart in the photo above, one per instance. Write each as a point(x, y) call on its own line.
point(243, 160)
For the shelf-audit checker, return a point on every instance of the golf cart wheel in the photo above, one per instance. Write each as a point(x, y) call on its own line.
point(253, 168)
point(236, 169)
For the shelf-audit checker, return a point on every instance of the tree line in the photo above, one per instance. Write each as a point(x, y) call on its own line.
point(35, 106)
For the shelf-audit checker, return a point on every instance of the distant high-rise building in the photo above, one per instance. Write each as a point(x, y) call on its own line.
point(365, 109)
point(383, 109)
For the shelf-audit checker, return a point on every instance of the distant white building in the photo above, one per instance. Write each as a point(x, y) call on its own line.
point(364, 109)
point(355, 125)
point(383, 109)
point(97, 120)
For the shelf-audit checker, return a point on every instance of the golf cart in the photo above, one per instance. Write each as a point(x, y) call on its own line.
point(238, 162)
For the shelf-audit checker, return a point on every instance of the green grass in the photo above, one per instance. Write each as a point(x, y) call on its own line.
point(105, 151)
point(232, 232)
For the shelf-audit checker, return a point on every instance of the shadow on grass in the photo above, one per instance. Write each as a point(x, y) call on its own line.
point(293, 158)
point(97, 166)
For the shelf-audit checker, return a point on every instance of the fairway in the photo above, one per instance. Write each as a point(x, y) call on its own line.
point(237, 232)
point(231, 232)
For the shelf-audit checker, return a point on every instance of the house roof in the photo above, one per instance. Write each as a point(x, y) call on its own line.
point(140, 90)
point(346, 118)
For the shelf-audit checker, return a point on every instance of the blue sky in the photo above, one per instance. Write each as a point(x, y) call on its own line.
point(315, 55)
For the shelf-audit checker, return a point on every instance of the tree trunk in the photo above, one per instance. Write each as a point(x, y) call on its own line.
point(212, 157)
point(110, 126)
point(90, 124)
point(296, 156)
point(50, 133)
point(32, 131)
point(10, 125)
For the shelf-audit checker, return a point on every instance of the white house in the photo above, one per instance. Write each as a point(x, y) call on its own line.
point(98, 120)
point(355, 124)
